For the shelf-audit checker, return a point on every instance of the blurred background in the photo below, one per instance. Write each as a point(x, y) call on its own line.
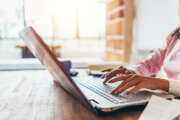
point(112, 30)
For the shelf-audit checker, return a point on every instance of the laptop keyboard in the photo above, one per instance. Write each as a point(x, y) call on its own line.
point(96, 85)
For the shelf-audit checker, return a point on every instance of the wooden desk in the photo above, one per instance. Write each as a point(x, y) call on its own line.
point(32, 95)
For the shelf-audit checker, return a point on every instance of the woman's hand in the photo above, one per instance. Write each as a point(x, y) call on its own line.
point(139, 82)
point(111, 73)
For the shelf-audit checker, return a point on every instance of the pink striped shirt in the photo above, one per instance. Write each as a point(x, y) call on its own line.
point(168, 57)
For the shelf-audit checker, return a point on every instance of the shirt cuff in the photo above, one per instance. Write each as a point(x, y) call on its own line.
point(174, 87)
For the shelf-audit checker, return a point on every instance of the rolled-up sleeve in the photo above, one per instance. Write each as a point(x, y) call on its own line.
point(152, 64)
point(174, 87)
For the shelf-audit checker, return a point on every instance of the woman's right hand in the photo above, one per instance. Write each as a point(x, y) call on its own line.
point(120, 71)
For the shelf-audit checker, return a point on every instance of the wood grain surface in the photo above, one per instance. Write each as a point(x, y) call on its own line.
point(32, 95)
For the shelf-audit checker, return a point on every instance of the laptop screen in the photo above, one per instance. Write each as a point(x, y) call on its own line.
point(47, 58)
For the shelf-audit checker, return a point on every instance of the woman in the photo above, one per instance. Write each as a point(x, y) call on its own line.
point(167, 58)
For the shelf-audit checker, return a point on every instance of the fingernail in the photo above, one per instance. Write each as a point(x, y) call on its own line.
point(114, 92)
point(105, 82)
point(110, 81)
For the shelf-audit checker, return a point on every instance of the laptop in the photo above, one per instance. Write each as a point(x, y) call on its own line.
point(89, 90)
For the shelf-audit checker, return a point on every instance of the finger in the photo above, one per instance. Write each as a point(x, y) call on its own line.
point(121, 77)
point(121, 67)
point(104, 75)
point(132, 72)
point(110, 75)
point(135, 89)
point(126, 86)
point(113, 73)
point(107, 70)
point(175, 31)
point(172, 34)
point(125, 82)
point(128, 72)
point(122, 84)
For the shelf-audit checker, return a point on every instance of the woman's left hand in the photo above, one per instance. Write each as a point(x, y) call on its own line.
point(139, 82)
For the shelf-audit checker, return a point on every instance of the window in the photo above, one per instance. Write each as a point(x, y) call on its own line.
point(11, 19)
point(11, 23)
point(67, 17)
point(77, 25)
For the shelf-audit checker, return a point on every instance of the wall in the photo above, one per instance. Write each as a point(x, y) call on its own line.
point(155, 19)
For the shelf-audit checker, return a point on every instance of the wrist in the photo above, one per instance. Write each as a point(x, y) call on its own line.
point(165, 85)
